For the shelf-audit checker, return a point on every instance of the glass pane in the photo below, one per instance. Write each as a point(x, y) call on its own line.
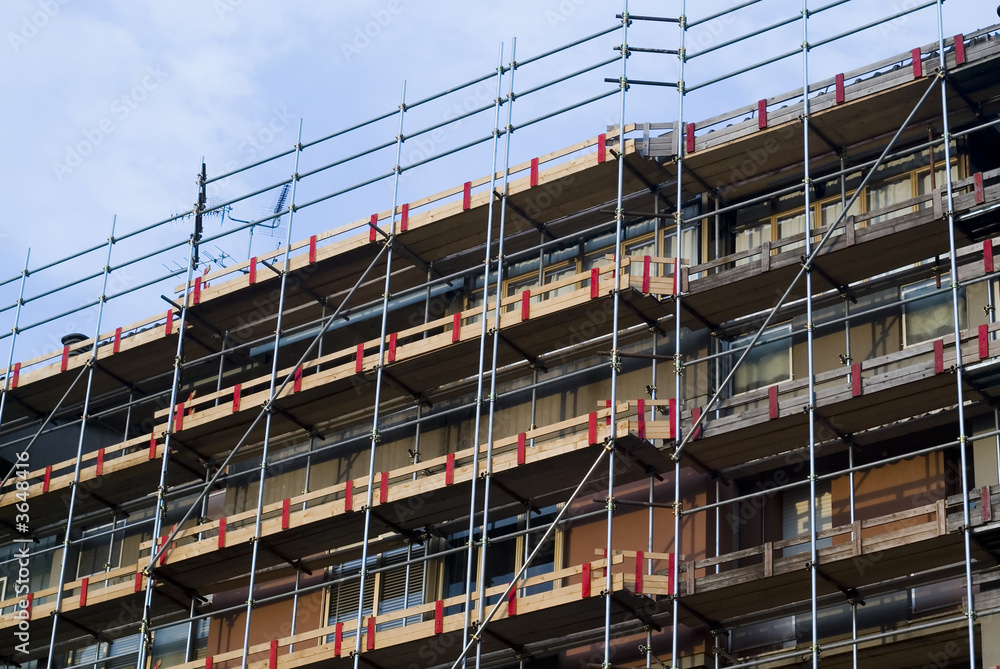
point(750, 237)
point(789, 225)
point(887, 193)
point(518, 285)
point(555, 274)
point(597, 259)
point(930, 317)
point(768, 362)
point(544, 562)
point(637, 250)
point(170, 644)
point(795, 515)
point(690, 246)
point(830, 211)
point(924, 181)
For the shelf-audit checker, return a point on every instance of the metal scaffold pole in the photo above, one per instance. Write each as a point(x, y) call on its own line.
point(7, 381)
point(497, 313)
point(269, 410)
point(71, 511)
point(160, 509)
point(675, 416)
point(379, 367)
point(470, 561)
point(615, 357)
point(810, 353)
point(963, 441)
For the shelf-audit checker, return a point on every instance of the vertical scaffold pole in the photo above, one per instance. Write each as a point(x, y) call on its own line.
point(810, 368)
point(615, 357)
point(963, 444)
point(481, 581)
point(376, 414)
point(145, 642)
point(269, 409)
point(657, 251)
point(71, 511)
point(483, 322)
point(13, 338)
point(675, 416)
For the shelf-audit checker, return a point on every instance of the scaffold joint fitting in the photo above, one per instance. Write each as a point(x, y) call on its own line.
point(609, 504)
point(376, 435)
point(616, 361)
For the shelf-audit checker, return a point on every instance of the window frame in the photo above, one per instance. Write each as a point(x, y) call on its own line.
point(782, 329)
point(942, 293)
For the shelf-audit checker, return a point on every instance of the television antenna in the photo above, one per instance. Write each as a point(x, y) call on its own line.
point(271, 227)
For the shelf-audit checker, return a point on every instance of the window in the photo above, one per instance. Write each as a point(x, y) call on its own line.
point(887, 193)
point(930, 317)
point(553, 274)
point(768, 362)
point(100, 550)
point(170, 644)
point(344, 595)
point(402, 586)
point(518, 285)
point(795, 515)
point(636, 250)
point(474, 294)
point(831, 209)
point(503, 558)
point(391, 585)
point(753, 228)
point(122, 654)
point(783, 217)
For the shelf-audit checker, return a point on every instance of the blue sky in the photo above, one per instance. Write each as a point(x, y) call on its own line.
point(145, 88)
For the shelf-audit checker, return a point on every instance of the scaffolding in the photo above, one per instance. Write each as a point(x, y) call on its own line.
point(468, 386)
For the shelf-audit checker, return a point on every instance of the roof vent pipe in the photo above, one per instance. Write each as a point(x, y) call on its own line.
point(75, 338)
